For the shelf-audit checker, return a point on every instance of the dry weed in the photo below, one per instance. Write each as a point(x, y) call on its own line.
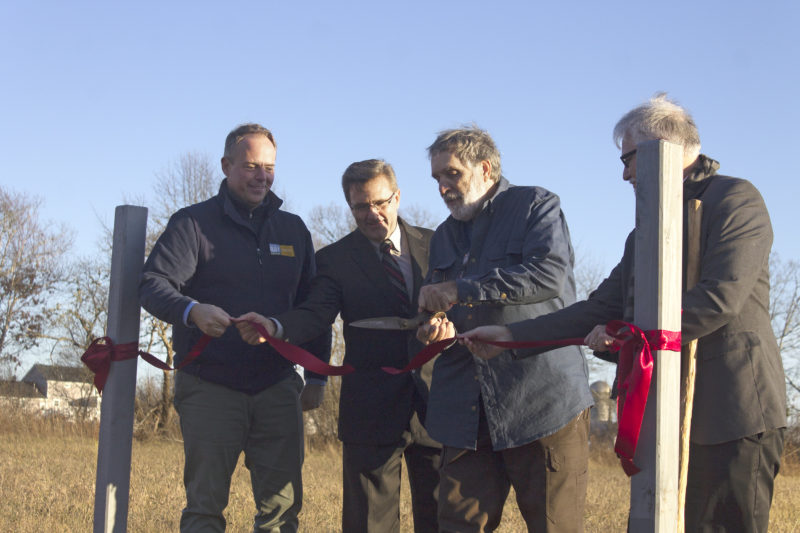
point(47, 477)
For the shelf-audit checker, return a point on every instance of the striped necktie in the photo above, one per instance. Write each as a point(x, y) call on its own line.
point(393, 272)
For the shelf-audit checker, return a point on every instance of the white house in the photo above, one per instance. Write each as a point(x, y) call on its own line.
point(51, 389)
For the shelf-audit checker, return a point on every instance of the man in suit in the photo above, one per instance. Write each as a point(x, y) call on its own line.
point(739, 415)
point(380, 415)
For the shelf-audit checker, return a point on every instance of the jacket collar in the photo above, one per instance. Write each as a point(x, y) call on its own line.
point(239, 212)
point(502, 186)
point(697, 180)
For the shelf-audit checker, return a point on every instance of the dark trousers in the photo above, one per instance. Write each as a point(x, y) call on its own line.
point(218, 424)
point(730, 484)
point(549, 477)
point(371, 475)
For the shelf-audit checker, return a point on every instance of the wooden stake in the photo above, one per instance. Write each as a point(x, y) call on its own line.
point(657, 297)
point(116, 413)
point(694, 215)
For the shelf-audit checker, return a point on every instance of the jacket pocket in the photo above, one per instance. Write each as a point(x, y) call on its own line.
point(505, 253)
point(443, 270)
point(730, 344)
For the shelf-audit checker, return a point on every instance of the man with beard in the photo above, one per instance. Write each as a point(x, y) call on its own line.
point(504, 254)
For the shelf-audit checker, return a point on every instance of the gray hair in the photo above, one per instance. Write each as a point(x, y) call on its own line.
point(660, 119)
point(238, 133)
point(470, 145)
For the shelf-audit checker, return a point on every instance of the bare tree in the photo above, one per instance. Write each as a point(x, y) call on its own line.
point(784, 312)
point(329, 223)
point(419, 216)
point(31, 255)
point(589, 273)
point(81, 313)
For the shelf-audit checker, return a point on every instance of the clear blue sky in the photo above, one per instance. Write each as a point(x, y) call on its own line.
point(96, 97)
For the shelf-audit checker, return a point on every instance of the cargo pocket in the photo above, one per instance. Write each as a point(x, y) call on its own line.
point(567, 475)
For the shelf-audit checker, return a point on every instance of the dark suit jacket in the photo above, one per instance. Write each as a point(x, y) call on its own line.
point(374, 407)
point(740, 388)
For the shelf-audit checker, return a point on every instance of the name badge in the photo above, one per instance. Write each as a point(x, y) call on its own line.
point(286, 250)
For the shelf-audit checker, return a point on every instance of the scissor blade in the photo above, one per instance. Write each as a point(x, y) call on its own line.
point(382, 322)
point(392, 322)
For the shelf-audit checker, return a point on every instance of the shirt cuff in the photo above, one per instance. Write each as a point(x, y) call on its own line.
point(278, 328)
point(186, 314)
point(469, 291)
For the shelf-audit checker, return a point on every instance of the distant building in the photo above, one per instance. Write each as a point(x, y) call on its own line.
point(50, 389)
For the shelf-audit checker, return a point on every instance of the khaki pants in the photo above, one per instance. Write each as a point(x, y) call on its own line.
point(218, 424)
point(549, 477)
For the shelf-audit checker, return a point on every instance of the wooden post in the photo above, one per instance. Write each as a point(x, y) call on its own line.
point(694, 216)
point(657, 297)
point(116, 414)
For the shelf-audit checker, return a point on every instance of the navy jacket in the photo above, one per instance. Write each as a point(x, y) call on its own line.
point(210, 253)
point(512, 261)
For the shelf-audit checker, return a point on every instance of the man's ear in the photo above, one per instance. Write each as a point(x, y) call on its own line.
point(486, 168)
point(226, 165)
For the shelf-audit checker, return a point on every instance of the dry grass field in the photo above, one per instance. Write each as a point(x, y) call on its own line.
point(47, 476)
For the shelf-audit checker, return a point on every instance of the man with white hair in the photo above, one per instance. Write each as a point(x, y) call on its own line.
point(739, 415)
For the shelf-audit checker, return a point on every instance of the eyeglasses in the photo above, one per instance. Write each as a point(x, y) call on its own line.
point(626, 157)
point(368, 206)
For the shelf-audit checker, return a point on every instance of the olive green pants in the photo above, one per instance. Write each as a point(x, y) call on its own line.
point(218, 424)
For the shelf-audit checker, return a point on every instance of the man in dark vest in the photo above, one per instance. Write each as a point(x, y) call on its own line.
point(218, 259)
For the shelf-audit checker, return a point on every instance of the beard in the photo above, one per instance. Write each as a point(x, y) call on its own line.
point(464, 206)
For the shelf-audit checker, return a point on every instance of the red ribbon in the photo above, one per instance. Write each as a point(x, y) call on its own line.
point(299, 356)
point(634, 369)
point(430, 351)
point(634, 373)
point(102, 351)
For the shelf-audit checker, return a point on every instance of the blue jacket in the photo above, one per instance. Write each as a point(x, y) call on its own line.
point(512, 261)
point(216, 253)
